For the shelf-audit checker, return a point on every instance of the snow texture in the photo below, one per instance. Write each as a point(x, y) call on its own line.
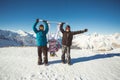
point(20, 63)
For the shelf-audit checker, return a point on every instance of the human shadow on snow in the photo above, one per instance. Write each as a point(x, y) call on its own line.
point(89, 58)
point(94, 57)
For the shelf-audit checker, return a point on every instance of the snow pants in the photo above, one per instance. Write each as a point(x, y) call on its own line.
point(44, 50)
point(66, 50)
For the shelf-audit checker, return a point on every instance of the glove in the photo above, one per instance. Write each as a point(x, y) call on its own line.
point(62, 22)
point(85, 30)
point(44, 20)
point(37, 20)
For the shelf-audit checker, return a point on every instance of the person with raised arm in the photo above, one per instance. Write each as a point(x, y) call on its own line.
point(41, 41)
point(67, 41)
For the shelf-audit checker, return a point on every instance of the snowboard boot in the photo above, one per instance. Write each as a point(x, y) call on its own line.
point(63, 61)
point(46, 64)
point(39, 62)
point(69, 64)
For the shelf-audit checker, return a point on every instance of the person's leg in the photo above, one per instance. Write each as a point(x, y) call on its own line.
point(45, 53)
point(39, 55)
point(68, 55)
point(63, 53)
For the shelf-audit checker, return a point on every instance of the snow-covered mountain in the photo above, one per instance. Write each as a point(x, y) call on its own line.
point(19, 38)
point(94, 41)
point(97, 41)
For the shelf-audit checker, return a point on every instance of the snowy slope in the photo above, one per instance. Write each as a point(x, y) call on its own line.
point(20, 63)
point(20, 38)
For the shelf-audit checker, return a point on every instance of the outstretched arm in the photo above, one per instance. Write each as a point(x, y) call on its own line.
point(46, 26)
point(78, 32)
point(34, 26)
point(61, 27)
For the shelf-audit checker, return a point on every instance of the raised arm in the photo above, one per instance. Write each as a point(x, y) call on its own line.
point(61, 27)
point(78, 32)
point(34, 26)
point(46, 26)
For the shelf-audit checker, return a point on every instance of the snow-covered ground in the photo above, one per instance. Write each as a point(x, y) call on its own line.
point(20, 63)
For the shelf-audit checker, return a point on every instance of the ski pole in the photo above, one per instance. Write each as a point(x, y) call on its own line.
point(52, 21)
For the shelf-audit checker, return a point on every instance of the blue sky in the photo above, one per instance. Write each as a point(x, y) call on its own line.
point(101, 16)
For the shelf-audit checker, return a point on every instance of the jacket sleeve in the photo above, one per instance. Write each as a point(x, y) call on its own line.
point(46, 27)
point(61, 28)
point(78, 32)
point(34, 27)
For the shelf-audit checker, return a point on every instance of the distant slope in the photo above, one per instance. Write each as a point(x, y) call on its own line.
point(94, 41)
point(20, 38)
point(97, 41)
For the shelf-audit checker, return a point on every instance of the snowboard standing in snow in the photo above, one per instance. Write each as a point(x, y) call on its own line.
point(41, 41)
point(53, 47)
point(53, 38)
point(67, 41)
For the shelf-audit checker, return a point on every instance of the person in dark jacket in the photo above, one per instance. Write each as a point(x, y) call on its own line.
point(67, 41)
point(41, 41)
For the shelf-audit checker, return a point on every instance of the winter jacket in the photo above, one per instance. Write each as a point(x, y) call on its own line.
point(68, 36)
point(41, 35)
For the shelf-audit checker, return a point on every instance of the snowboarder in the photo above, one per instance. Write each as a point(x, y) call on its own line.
point(67, 41)
point(41, 41)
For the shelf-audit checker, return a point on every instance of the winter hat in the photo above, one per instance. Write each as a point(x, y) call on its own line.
point(41, 27)
point(68, 27)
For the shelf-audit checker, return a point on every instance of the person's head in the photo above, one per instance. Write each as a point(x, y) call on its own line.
point(41, 27)
point(67, 28)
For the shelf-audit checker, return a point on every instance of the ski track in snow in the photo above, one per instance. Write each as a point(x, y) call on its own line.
point(20, 63)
